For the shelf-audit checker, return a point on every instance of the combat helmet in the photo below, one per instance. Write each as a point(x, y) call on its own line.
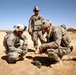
point(45, 24)
point(36, 9)
point(64, 26)
point(19, 27)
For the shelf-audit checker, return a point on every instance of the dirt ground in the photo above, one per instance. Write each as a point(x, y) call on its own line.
point(25, 67)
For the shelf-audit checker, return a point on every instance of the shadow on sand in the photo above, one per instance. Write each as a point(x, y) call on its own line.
point(31, 50)
point(45, 61)
point(6, 59)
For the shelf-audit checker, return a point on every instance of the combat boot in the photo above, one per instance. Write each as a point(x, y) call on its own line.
point(21, 57)
point(67, 57)
point(11, 61)
point(36, 51)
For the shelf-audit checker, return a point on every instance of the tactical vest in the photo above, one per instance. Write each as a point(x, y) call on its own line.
point(37, 24)
point(65, 38)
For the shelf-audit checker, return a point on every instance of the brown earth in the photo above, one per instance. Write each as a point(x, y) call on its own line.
point(26, 67)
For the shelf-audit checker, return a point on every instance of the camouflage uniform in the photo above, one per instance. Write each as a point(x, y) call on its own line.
point(15, 48)
point(34, 29)
point(58, 43)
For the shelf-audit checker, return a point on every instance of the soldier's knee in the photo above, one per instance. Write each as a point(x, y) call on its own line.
point(50, 51)
point(24, 52)
point(13, 56)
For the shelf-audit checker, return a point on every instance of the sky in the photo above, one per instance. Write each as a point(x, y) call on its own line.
point(19, 11)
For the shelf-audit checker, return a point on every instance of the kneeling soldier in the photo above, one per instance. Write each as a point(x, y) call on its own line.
point(15, 49)
point(58, 42)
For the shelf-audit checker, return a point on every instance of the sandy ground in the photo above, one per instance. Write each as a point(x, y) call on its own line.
point(26, 67)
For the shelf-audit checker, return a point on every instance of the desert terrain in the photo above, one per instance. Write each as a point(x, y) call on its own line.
point(25, 67)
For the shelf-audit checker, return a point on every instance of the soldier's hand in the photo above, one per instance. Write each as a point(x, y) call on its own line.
point(40, 50)
point(30, 33)
point(19, 51)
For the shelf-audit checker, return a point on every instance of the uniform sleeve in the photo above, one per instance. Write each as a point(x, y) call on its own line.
point(57, 36)
point(10, 43)
point(42, 18)
point(25, 43)
point(49, 45)
point(30, 25)
point(24, 38)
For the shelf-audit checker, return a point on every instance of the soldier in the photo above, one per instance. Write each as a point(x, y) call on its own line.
point(57, 46)
point(64, 26)
point(34, 27)
point(15, 43)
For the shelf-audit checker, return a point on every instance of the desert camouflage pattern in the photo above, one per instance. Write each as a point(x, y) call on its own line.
point(34, 27)
point(36, 8)
point(58, 43)
point(15, 46)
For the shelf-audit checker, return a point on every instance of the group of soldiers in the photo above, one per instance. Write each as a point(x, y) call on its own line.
point(56, 46)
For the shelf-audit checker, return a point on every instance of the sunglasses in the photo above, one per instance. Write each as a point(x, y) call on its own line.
point(36, 11)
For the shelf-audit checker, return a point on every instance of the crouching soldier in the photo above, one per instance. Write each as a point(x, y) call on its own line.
point(34, 28)
point(57, 44)
point(15, 43)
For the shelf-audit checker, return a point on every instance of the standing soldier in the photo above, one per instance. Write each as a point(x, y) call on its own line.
point(34, 28)
point(15, 49)
point(57, 44)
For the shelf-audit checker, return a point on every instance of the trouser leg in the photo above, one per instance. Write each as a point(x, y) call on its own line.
point(35, 39)
point(13, 56)
point(57, 54)
point(52, 53)
point(64, 51)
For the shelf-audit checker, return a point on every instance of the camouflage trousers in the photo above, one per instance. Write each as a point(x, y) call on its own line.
point(15, 55)
point(57, 54)
point(35, 36)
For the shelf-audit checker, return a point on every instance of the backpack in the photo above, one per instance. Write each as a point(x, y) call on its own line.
point(65, 38)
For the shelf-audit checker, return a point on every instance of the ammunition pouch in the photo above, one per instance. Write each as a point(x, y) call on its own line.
point(37, 28)
point(37, 25)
